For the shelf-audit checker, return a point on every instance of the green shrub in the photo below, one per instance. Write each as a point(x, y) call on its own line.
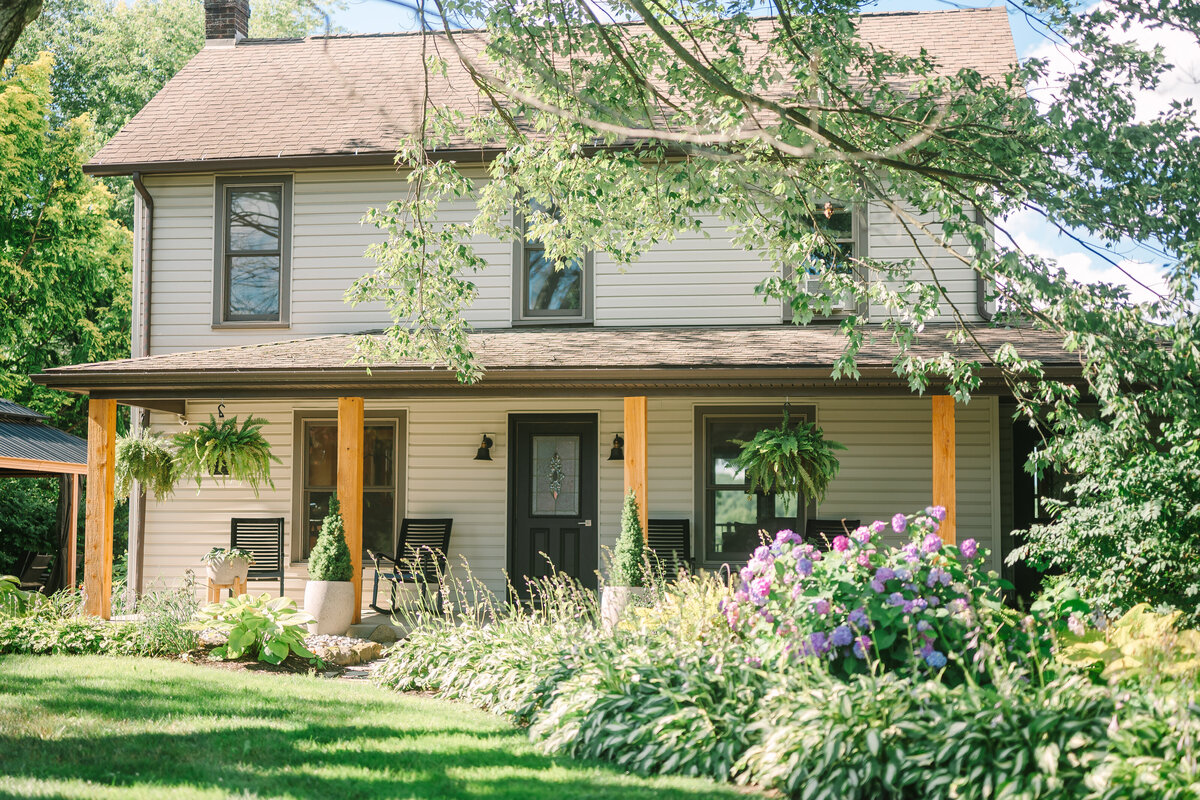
point(82, 635)
point(631, 556)
point(330, 558)
point(1141, 646)
point(268, 629)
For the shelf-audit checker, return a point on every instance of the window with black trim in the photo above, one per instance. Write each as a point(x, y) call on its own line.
point(252, 250)
point(544, 293)
point(383, 479)
point(844, 228)
point(730, 518)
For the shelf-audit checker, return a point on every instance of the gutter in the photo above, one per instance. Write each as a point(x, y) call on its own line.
point(980, 282)
point(143, 287)
point(140, 419)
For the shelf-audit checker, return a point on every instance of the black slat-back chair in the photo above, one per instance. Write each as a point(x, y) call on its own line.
point(33, 571)
point(420, 559)
point(264, 539)
point(819, 532)
point(671, 542)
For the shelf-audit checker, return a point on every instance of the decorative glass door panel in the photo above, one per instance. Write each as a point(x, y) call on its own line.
point(554, 476)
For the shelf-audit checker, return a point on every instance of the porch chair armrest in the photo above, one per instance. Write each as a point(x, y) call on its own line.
point(379, 558)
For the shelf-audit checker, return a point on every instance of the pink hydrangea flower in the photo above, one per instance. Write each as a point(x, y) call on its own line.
point(878, 526)
point(969, 548)
point(899, 523)
point(841, 544)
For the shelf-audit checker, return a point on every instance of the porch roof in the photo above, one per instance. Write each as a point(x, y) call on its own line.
point(28, 446)
point(549, 360)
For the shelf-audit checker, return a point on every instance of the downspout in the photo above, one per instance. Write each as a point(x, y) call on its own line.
point(980, 282)
point(140, 420)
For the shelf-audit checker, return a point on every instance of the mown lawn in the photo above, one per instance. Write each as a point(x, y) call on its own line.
point(137, 728)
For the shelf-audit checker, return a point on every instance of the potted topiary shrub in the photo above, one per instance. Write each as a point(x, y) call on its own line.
point(630, 561)
point(148, 459)
point(329, 593)
point(791, 458)
point(220, 448)
point(223, 566)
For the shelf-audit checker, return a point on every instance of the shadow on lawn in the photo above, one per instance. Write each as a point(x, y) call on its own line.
point(280, 736)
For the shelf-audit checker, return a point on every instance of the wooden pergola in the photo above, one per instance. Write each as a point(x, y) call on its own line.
point(31, 448)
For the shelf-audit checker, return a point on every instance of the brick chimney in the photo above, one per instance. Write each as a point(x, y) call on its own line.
point(226, 21)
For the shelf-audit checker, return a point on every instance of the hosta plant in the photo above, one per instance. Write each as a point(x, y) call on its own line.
point(149, 459)
point(924, 607)
point(788, 459)
point(1141, 644)
point(220, 554)
point(222, 448)
point(270, 629)
point(15, 602)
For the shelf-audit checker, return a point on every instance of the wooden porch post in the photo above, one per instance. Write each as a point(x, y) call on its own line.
point(635, 455)
point(98, 528)
point(943, 463)
point(350, 487)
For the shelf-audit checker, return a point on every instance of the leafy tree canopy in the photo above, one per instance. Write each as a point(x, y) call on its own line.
point(639, 120)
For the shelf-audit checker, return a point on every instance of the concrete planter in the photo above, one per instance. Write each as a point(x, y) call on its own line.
point(332, 603)
point(225, 571)
point(615, 599)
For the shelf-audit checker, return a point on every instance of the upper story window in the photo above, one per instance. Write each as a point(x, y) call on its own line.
point(252, 247)
point(543, 293)
point(844, 228)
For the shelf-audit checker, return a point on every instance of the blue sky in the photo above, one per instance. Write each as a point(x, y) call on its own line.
point(1134, 263)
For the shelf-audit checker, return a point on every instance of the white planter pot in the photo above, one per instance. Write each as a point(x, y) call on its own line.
point(224, 572)
point(615, 599)
point(332, 603)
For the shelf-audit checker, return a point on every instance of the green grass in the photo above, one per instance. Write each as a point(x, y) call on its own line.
point(138, 728)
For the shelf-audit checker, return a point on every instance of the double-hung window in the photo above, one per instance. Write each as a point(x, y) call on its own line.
point(252, 251)
point(730, 518)
point(843, 229)
point(543, 292)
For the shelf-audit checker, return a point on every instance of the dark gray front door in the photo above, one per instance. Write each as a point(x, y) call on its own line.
point(552, 497)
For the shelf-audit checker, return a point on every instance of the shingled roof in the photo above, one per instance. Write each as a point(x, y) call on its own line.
point(28, 444)
point(352, 98)
point(558, 359)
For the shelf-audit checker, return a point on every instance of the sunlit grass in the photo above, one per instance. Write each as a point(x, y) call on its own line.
point(139, 728)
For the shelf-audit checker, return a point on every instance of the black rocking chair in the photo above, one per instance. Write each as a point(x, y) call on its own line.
point(671, 542)
point(420, 559)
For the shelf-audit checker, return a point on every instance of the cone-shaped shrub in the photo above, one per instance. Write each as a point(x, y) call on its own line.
point(630, 555)
point(330, 559)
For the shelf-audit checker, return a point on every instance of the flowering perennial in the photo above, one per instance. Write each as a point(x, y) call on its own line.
point(859, 601)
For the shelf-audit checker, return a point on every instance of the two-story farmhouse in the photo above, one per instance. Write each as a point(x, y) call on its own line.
point(253, 168)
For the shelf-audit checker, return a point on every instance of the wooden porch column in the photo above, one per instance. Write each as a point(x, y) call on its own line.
point(635, 455)
point(943, 463)
point(98, 526)
point(350, 487)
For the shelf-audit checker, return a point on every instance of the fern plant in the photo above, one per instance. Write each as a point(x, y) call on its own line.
point(330, 558)
point(225, 449)
point(790, 458)
point(148, 459)
point(631, 555)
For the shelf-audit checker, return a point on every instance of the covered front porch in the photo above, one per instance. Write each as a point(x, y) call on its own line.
point(905, 451)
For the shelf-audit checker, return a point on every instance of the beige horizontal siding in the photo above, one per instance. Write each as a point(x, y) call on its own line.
point(885, 469)
point(697, 279)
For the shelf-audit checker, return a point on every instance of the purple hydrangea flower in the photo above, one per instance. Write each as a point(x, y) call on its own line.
point(747, 574)
point(934, 601)
point(923, 625)
point(920, 604)
point(899, 523)
point(759, 589)
point(902, 574)
point(821, 606)
point(841, 544)
point(762, 553)
point(932, 578)
point(877, 586)
point(885, 573)
point(937, 512)
point(910, 553)
point(787, 536)
point(804, 566)
point(936, 659)
point(969, 548)
point(819, 641)
point(878, 526)
point(859, 619)
point(932, 543)
point(861, 646)
point(842, 636)
point(895, 599)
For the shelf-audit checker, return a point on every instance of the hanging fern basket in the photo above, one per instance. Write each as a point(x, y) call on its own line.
point(793, 458)
point(148, 459)
point(224, 449)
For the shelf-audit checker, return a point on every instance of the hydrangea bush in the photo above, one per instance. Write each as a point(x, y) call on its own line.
point(925, 606)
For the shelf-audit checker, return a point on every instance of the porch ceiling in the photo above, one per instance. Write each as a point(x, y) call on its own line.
point(612, 361)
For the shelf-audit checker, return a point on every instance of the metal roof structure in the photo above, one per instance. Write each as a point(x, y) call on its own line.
point(29, 446)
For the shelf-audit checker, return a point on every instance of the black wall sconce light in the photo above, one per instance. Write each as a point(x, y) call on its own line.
point(485, 449)
point(618, 448)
